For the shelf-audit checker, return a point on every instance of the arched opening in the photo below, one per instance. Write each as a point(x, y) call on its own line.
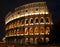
point(47, 20)
point(36, 20)
point(26, 31)
point(47, 39)
point(15, 32)
point(31, 40)
point(21, 31)
point(18, 23)
point(41, 30)
point(47, 30)
point(26, 21)
point(31, 21)
point(26, 41)
point(36, 32)
point(41, 20)
point(14, 24)
point(36, 40)
point(11, 32)
point(22, 22)
point(31, 31)
point(40, 40)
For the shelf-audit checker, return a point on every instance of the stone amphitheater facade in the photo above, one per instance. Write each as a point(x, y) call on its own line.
point(28, 24)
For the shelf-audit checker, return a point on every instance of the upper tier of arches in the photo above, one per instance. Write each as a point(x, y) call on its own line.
point(36, 8)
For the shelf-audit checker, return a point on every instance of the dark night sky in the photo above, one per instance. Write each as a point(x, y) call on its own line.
point(8, 5)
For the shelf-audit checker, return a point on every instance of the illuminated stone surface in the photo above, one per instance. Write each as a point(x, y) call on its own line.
point(28, 24)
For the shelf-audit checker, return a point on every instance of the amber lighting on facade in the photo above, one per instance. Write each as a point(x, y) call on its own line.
point(28, 24)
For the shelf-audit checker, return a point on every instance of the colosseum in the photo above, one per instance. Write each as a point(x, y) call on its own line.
point(28, 24)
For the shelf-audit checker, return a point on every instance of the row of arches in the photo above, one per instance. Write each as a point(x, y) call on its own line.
point(29, 40)
point(27, 12)
point(29, 31)
point(30, 21)
point(36, 40)
point(36, 31)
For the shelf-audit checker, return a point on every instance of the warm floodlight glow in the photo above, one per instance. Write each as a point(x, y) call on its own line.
point(29, 24)
point(46, 12)
point(36, 13)
point(26, 14)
